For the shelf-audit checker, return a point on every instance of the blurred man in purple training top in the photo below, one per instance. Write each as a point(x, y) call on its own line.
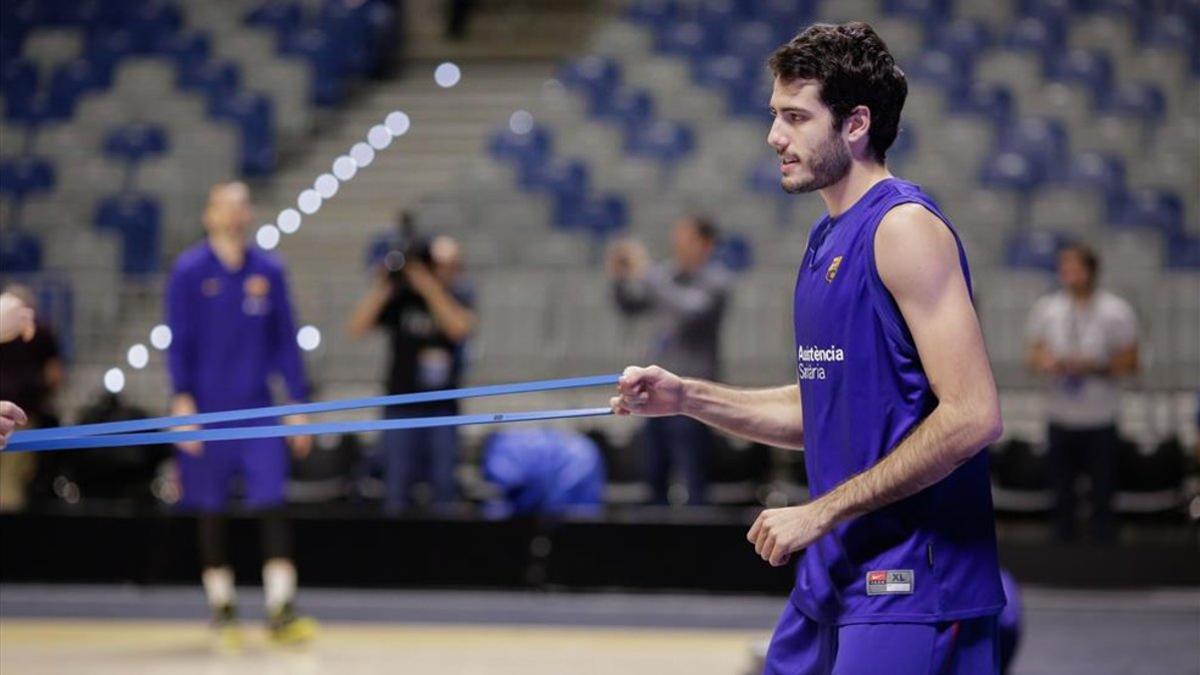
point(232, 329)
point(895, 397)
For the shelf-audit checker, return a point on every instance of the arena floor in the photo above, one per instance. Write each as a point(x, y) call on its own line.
point(87, 629)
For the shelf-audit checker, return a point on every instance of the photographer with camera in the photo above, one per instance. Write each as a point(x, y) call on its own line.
point(421, 300)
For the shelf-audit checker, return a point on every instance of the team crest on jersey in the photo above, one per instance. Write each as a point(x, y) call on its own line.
point(257, 285)
point(833, 269)
point(210, 287)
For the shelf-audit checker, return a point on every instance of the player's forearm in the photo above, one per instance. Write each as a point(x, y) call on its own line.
point(771, 416)
point(945, 440)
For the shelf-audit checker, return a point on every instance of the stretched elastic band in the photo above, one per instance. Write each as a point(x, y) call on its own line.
point(21, 443)
point(156, 423)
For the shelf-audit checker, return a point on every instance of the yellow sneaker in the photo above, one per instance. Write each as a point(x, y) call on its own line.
point(286, 627)
point(227, 633)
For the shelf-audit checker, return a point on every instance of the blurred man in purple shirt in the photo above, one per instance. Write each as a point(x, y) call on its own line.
point(232, 329)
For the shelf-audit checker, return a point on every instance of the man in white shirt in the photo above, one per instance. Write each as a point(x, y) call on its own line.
point(1084, 341)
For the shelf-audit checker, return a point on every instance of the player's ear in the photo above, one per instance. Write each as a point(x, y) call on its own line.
point(856, 129)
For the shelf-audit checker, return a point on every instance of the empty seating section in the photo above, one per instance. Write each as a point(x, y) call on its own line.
point(1035, 122)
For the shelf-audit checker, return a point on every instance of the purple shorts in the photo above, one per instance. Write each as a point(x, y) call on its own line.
point(801, 646)
point(206, 480)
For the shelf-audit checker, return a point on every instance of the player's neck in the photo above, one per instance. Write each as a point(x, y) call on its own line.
point(861, 177)
point(230, 251)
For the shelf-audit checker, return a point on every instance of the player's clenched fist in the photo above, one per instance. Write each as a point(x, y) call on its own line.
point(649, 392)
point(778, 533)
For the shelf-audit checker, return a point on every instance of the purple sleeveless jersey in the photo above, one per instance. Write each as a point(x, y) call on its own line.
point(930, 557)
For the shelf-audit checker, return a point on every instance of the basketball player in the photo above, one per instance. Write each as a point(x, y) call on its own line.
point(895, 397)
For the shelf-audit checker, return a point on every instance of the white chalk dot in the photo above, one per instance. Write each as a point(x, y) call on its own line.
point(379, 137)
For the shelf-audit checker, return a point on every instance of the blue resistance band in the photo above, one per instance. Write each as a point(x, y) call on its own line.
point(117, 434)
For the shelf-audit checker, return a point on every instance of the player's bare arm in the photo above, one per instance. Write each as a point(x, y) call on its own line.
point(917, 259)
point(771, 416)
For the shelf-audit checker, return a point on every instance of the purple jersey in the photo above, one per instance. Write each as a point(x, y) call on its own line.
point(231, 330)
point(930, 557)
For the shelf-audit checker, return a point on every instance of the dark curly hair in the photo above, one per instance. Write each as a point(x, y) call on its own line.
point(854, 67)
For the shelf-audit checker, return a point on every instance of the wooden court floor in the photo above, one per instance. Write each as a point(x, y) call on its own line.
point(49, 646)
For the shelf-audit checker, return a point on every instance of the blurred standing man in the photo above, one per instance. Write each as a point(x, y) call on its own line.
point(30, 372)
point(1084, 341)
point(231, 324)
point(420, 298)
point(16, 321)
point(688, 304)
point(894, 397)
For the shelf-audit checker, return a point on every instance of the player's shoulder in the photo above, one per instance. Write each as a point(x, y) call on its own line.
point(192, 258)
point(266, 262)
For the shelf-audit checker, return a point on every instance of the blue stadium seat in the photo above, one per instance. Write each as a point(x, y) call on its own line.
point(20, 252)
point(941, 69)
point(604, 216)
point(754, 41)
point(186, 48)
point(789, 16)
point(214, 79)
point(653, 13)
point(18, 79)
point(992, 102)
point(724, 72)
point(254, 117)
point(328, 79)
point(661, 140)
point(566, 180)
point(1140, 100)
point(688, 39)
point(1095, 170)
point(106, 47)
point(136, 218)
point(1091, 69)
point(1149, 207)
point(26, 176)
point(1041, 35)
point(1183, 251)
point(1011, 170)
point(149, 21)
point(281, 16)
point(1034, 249)
point(69, 82)
point(1042, 141)
point(134, 143)
point(627, 107)
point(735, 253)
point(526, 149)
point(961, 38)
point(921, 10)
point(1171, 31)
point(595, 76)
point(749, 98)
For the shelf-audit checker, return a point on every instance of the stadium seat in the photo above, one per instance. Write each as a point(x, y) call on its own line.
point(136, 219)
point(1034, 249)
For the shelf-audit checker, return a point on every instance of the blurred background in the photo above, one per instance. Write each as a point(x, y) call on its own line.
point(563, 145)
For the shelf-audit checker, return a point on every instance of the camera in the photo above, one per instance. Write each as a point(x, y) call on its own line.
point(408, 245)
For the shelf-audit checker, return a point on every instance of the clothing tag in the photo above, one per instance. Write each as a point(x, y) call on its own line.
point(889, 582)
